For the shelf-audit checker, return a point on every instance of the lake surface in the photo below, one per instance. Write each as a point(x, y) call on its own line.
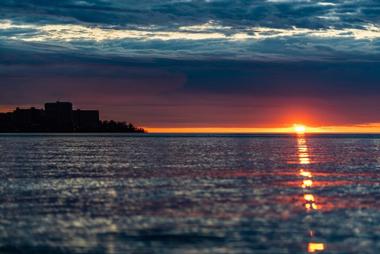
point(189, 194)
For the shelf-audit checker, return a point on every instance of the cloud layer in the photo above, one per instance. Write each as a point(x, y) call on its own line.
point(272, 30)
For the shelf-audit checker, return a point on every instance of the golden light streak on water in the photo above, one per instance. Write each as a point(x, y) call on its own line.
point(309, 197)
point(307, 183)
point(306, 173)
point(314, 247)
point(310, 203)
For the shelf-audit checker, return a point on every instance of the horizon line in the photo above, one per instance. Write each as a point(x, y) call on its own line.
point(365, 129)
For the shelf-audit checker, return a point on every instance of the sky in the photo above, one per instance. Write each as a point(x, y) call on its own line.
point(197, 65)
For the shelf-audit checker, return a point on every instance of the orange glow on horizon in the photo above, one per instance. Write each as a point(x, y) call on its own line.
point(364, 128)
point(6, 109)
point(299, 129)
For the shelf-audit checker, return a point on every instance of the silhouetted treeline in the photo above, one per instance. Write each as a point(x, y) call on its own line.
point(113, 126)
point(60, 117)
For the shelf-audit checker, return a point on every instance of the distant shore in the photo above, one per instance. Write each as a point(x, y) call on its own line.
point(59, 117)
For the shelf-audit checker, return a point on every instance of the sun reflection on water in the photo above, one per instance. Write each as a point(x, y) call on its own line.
point(314, 247)
point(305, 173)
point(307, 183)
point(310, 200)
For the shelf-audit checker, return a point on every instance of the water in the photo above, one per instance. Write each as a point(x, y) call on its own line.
point(189, 194)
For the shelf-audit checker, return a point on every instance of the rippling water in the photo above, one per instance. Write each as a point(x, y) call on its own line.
point(189, 194)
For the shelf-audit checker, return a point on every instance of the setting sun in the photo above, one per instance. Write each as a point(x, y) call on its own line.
point(299, 129)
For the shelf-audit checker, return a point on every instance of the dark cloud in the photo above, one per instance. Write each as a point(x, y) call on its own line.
point(160, 92)
point(268, 30)
point(229, 12)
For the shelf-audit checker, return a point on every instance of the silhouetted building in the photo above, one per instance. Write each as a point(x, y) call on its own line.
point(85, 120)
point(5, 121)
point(27, 119)
point(60, 117)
